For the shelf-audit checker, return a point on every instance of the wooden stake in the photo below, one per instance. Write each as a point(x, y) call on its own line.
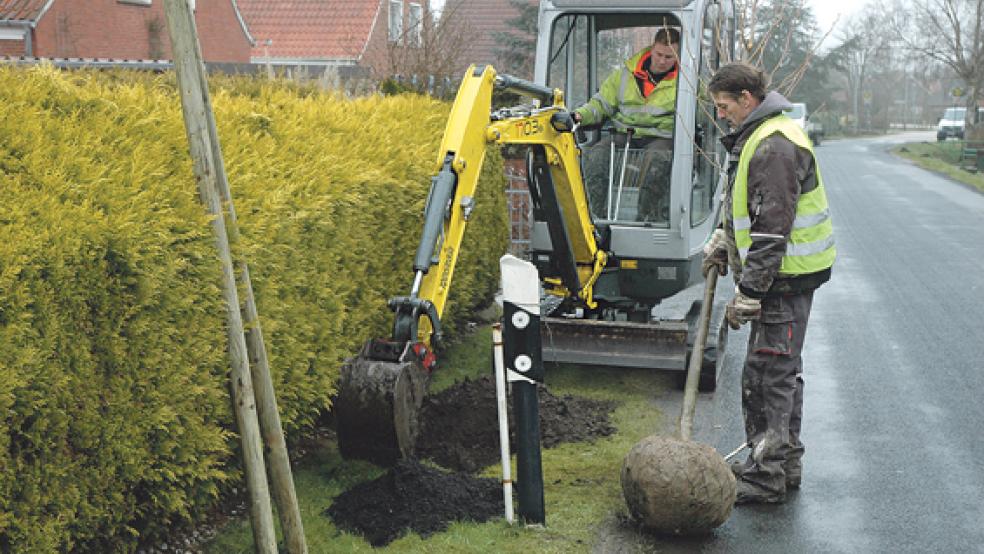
point(271, 429)
point(194, 104)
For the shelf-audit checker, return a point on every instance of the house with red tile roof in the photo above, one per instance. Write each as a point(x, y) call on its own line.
point(364, 35)
point(116, 29)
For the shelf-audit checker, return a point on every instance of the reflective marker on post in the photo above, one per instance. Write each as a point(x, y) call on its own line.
point(500, 401)
point(524, 369)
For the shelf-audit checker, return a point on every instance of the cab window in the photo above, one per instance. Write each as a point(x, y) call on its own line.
point(627, 159)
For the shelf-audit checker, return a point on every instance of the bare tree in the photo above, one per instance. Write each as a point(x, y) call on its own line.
point(427, 48)
point(950, 32)
point(518, 44)
point(780, 37)
point(862, 41)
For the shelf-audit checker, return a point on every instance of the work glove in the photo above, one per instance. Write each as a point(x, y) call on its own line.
point(715, 254)
point(563, 121)
point(742, 309)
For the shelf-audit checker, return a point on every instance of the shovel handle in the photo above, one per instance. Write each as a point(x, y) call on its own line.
point(697, 357)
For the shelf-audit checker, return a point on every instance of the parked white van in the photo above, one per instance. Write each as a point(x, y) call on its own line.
point(951, 124)
point(801, 116)
point(953, 121)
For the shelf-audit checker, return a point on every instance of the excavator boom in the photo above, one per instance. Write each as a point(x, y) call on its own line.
point(387, 379)
point(472, 128)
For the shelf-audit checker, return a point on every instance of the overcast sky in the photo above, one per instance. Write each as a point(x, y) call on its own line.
point(827, 12)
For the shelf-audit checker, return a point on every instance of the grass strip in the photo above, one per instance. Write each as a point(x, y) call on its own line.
point(941, 157)
point(581, 480)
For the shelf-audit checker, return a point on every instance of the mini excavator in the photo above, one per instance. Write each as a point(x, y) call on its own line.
point(607, 257)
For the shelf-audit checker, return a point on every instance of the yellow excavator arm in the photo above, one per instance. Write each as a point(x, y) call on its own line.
point(559, 192)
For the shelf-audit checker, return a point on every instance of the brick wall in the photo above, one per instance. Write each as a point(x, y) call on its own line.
point(483, 19)
point(12, 48)
point(114, 29)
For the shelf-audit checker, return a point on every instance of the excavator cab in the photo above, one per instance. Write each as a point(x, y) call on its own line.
point(653, 200)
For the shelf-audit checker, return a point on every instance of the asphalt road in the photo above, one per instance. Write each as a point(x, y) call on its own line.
point(894, 372)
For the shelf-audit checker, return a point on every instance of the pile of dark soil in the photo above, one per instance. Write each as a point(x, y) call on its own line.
point(411, 496)
point(459, 427)
point(459, 430)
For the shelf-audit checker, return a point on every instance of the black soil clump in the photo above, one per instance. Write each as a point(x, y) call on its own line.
point(459, 430)
point(459, 427)
point(411, 496)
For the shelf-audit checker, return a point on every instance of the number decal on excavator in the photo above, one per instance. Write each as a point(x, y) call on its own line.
point(531, 127)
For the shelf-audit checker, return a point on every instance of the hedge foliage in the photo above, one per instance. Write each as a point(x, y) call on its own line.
point(113, 368)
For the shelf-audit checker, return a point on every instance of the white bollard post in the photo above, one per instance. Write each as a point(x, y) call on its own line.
point(500, 398)
point(523, 359)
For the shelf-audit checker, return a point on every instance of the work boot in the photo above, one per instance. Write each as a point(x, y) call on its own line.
point(794, 473)
point(749, 493)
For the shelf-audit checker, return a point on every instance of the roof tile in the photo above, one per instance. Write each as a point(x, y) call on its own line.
point(21, 10)
point(309, 29)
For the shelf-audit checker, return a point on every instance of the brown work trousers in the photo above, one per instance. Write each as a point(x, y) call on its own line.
point(772, 389)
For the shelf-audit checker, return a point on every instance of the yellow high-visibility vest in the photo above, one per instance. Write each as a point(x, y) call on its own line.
point(620, 100)
point(810, 246)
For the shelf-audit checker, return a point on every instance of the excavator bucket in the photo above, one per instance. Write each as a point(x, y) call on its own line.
point(377, 406)
point(654, 345)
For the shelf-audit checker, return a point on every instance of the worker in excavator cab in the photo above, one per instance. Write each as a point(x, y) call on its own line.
point(639, 99)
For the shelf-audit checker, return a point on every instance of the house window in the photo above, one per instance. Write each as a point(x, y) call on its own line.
point(11, 34)
point(416, 24)
point(396, 20)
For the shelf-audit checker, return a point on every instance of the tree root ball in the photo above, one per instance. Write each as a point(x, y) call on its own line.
point(677, 487)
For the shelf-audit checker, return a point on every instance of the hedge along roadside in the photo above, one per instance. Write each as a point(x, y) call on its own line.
point(113, 375)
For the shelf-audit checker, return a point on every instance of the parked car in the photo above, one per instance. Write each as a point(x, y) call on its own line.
point(800, 115)
point(951, 124)
point(953, 121)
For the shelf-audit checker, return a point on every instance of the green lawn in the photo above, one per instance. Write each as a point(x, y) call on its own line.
point(581, 480)
point(941, 157)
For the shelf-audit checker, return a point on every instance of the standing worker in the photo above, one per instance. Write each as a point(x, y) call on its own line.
point(778, 239)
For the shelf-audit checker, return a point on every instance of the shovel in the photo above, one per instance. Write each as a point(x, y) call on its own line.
point(697, 357)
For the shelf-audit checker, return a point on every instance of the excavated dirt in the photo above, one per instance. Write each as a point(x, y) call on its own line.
point(414, 497)
point(459, 431)
point(460, 426)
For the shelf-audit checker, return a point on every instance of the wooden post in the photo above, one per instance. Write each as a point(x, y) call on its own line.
point(271, 429)
point(187, 62)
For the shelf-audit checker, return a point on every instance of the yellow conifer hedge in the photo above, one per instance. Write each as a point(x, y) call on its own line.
point(113, 372)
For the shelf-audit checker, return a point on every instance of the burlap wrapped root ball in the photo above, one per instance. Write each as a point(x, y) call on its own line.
point(676, 486)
